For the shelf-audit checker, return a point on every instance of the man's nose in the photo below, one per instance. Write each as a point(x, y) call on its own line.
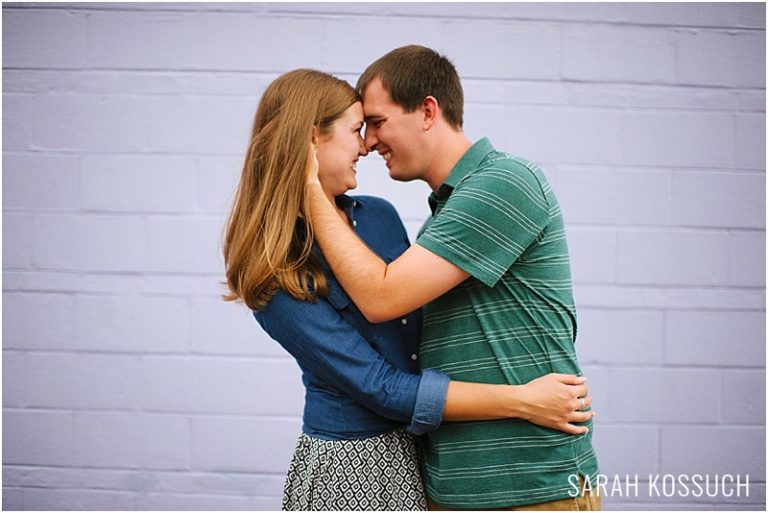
point(370, 140)
point(362, 151)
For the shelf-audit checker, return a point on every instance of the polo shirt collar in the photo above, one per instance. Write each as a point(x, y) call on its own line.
point(469, 162)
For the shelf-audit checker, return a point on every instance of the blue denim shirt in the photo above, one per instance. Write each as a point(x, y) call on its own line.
point(361, 379)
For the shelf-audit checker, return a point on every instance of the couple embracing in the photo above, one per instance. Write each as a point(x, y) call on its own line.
point(438, 375)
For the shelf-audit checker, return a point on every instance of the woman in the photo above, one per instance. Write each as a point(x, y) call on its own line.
point(362, 380)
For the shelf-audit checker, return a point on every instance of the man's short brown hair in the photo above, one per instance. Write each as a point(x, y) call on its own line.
point(412, 73)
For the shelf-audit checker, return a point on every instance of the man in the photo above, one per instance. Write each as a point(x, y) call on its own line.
point(490, 269)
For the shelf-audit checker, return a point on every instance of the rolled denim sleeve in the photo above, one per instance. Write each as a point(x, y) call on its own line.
point(329, 347)
point(430, 402)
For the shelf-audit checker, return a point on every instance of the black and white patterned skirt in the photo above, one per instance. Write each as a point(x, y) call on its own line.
point(380, 473)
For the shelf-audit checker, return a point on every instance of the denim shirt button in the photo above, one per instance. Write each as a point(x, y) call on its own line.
point(404, 321)
point(354, 223)
point(414, 357)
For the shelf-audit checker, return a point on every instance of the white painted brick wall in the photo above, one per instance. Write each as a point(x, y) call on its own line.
point(129, 384)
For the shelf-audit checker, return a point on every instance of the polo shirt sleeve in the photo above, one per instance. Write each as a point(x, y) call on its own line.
point(331, 348)
point(488, 221)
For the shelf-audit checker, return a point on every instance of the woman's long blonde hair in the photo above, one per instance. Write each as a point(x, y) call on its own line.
point(268, 241)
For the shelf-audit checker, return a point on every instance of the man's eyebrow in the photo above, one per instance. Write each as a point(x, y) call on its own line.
point(373, 117)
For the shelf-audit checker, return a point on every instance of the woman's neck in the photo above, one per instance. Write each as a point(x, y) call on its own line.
point(339, 210)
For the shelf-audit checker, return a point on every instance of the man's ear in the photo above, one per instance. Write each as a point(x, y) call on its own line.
point(431, 109)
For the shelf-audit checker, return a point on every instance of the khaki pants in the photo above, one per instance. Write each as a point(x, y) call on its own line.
point(590, 501)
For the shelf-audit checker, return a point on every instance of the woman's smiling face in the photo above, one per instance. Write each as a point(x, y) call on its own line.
point(339, 150)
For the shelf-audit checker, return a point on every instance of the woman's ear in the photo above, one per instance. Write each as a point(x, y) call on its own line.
point(315, 135)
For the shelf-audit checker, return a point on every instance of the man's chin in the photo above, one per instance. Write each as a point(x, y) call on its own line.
point(399, 177)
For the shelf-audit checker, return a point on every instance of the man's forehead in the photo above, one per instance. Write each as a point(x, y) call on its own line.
point(376, 100)
point(372, 111)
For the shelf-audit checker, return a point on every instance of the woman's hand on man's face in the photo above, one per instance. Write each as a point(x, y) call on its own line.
point(313, 166)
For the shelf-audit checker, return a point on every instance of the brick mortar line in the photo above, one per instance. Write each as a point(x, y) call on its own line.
point(23, 466)
point(149, 215)
point(630, 287)
point(168, 471)
point(465, 77)
point(268, 74)
point(142, 492)
point(309, 14)
point(628, 167)
point(151, 413)
point(707, 425)
point(177, 356)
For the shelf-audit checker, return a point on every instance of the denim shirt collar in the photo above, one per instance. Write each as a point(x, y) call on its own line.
point(349, 205)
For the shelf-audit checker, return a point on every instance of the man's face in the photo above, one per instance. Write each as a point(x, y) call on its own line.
point(396, 135)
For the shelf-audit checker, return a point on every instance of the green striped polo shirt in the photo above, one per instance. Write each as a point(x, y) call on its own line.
point(513, 320)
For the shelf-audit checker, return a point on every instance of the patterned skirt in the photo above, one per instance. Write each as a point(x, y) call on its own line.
point(380, 473)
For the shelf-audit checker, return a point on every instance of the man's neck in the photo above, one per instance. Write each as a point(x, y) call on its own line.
point(450, 146)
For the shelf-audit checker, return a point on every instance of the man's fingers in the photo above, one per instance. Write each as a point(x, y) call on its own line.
point(581, 402)
point(580, 390)
point(587, 402)
point(570, 379)
point(572, 430)
point(580, 416)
